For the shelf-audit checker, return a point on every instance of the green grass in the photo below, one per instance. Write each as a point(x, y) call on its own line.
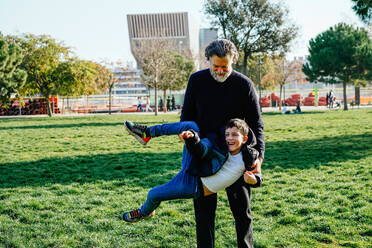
point(65, 181)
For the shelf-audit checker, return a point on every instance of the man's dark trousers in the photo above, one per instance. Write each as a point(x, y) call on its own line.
point(205, 210)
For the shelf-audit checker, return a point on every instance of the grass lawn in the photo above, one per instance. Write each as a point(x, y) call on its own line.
point(65, 182)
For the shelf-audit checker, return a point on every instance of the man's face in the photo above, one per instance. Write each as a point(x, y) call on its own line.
point(220, 68)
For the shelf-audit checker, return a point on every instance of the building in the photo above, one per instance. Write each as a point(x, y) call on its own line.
point(206, 36)
point(128, 83)
point(175, 27)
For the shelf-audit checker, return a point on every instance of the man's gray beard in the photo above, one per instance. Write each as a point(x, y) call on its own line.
point(219, 78)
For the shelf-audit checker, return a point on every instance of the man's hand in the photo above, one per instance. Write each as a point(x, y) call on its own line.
point(249, 177)
point(185, 135)
point(257, 165)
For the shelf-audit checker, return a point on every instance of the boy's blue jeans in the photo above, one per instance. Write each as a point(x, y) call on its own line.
point(183, 185)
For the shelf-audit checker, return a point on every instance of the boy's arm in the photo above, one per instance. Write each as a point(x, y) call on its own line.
point(254, 177)
point(196, 147)
point(254, 180)
point(259, 180)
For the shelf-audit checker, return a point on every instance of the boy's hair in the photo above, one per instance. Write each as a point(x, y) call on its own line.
point(240, 124)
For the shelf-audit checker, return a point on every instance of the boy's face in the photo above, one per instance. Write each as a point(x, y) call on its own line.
point(234, 140)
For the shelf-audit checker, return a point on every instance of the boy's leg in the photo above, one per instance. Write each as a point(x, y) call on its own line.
point(182, 186)
point(143, 133)
point(173, 128)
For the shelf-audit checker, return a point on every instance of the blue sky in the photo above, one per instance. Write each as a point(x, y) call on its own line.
point(97, 29)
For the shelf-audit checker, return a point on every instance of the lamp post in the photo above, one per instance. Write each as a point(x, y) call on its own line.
point(259, 80)
point(180, 46)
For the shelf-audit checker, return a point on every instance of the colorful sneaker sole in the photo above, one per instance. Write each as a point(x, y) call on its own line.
point(130, 220)
point(143, 141)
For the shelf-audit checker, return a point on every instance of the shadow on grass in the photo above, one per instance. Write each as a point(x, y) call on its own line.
point(302, 113)
point(150, 169)
point(72, 125)
point(69, 125)
point(139, 169)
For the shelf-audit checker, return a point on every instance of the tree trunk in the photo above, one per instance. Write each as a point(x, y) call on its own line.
point(87, 105)
point(68, 104)
point(110, 90)
point(280, 97)
point(245, 61)
point(48, 105)
point(345, 98)
point(63, 105)
point(156, 99)
point(165, 101)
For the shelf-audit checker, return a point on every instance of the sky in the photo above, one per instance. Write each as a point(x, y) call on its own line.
point(97, 29)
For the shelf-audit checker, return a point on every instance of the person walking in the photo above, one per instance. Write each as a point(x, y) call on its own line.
point(331, 98)
point(148, 108)
point(160, 104)
point(168, 103)
point(139, 106)
point(173, 103)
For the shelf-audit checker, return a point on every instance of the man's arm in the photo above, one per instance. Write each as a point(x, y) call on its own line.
point(188, 109)
point(254, 120)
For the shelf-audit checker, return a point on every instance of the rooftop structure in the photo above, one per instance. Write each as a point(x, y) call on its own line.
point(206, 36)
point(172, 26)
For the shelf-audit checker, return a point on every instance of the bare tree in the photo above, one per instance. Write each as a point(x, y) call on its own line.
point(282, 72)
point(152, 60)
point(105, 79)
point(162, 67)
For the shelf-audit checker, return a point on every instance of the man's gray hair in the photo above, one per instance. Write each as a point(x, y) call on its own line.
point(221, 48)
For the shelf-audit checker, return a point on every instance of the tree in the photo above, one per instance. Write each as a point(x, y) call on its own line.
point(76, 77)
point(254, 69)
point(162, 67)
point(105, 78)
point(363, 8)
point(253, 26)
point(175, 77)
point(342, 54)
point(282, 72)
point(152, 60)
point(42, 58)
point(12, 78)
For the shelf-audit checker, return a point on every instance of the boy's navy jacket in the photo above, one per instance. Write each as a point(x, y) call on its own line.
point(208, 156)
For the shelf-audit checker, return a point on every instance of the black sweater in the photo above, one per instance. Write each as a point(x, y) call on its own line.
point(211, 104)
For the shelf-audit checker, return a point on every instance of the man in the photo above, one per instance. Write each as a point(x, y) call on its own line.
point(213, 96)
point(168, 103)
point(173, 103)
point(331, 98)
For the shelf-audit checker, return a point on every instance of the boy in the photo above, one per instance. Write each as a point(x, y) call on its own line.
point(222, 171)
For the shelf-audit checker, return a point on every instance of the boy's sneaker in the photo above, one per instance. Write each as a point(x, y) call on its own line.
point(140, 132)
point(135, 215)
